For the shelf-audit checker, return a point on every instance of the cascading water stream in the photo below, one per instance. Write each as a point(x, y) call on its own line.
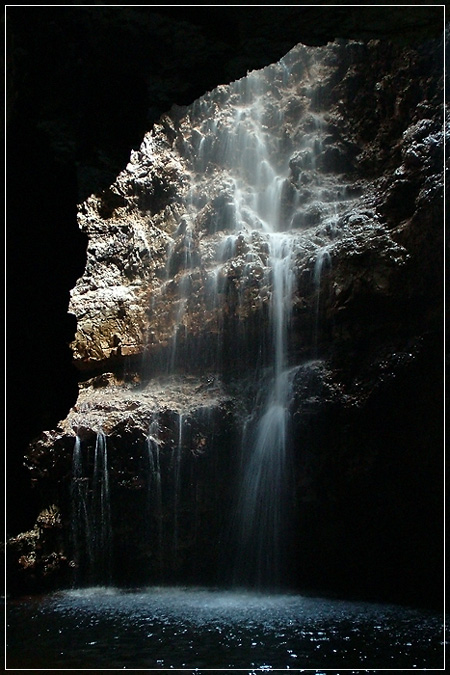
point(258, 190)
point(260, 222)
point(261, 502)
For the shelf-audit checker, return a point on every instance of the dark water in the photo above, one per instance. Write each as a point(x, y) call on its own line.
point(197, 628)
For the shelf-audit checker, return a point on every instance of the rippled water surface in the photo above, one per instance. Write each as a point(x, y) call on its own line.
point(206, 629)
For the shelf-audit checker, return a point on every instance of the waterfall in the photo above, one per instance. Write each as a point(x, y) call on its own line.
point(267, 198)
point(243, 209)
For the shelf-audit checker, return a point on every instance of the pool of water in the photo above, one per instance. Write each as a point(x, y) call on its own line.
point(200, 628)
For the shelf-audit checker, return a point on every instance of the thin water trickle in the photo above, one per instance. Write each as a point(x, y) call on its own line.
point(91, 512)
point(101, 511)
point(323, 262)
point(177, 457)
point(155, 504)
point(81, 535)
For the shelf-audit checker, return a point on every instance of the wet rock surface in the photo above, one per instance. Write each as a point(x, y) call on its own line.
point(154, 238)
point(176, 296)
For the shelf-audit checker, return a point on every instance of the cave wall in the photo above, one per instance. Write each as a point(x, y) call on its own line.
point(381, 336)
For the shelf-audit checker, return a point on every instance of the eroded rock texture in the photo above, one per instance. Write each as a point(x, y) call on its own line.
point(333, 156)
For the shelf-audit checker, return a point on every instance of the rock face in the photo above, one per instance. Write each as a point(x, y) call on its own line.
point(285, 227)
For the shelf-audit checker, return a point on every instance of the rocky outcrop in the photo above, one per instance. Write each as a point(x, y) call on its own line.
point(164, 214)
point(36, 558)
point(175, 322)
point(176, 433)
